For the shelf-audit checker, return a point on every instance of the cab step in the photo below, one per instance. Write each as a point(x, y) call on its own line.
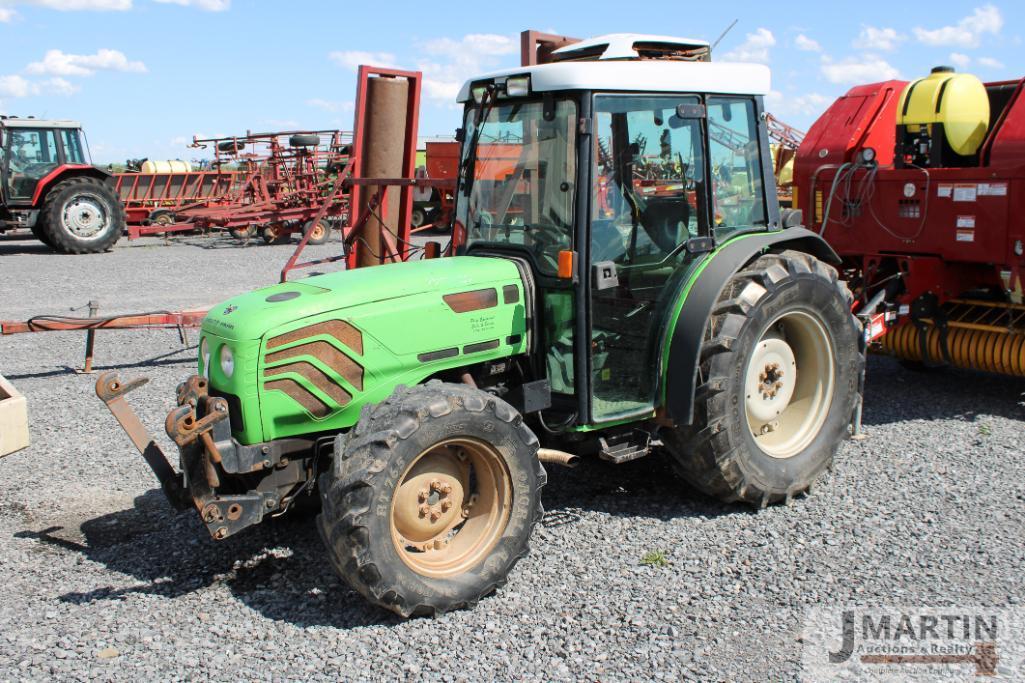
point(626, 446)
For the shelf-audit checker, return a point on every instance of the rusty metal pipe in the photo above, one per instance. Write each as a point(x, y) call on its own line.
point(556, 457)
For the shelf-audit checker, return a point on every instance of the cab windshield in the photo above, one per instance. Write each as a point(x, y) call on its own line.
point(519, 186)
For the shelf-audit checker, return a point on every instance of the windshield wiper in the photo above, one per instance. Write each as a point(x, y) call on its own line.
point(470, 162)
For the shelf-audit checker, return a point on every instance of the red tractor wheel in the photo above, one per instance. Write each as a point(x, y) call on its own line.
point(82, 215)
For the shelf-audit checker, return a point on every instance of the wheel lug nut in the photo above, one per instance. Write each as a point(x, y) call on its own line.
point(435, 484)
point(446, 487)
point(435, 515)
point(424, 509)
point(422, 496)
point(446, 505)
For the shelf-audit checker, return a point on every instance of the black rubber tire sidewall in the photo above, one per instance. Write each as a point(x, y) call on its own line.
point(364, 511)
point(321, 240)
point(53, 208)
point(809, 293)
point(304, 140)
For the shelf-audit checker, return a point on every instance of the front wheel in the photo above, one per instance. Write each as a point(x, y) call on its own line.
point(781, 365)
point(432, 498)
point(82, 215)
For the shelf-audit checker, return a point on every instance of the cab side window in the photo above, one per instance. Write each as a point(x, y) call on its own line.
point(738, 189)
point(72, 141)
point(33, 155)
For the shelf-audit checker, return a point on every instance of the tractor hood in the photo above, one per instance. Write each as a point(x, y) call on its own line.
point(304, 357)
point(252, 315)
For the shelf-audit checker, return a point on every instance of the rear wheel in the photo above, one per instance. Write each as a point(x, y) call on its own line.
point(781, 364)
point(161, 217)
point(82, 216)
point(275, 233)
point(243, 234)
point(418, 217)
point(318, 233)
point(432, 498)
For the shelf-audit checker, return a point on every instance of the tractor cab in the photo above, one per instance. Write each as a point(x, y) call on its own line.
point(612, 171)
point(32, 149)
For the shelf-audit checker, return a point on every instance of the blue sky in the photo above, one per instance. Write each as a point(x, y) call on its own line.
point(143, 76)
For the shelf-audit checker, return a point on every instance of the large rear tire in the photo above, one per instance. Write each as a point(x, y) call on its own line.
point(781, 367)
point(432, 498)
point(82, 215)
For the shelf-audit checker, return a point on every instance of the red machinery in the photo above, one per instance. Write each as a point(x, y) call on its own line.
point(155, 197)
point(282, 181)
point(931, 238)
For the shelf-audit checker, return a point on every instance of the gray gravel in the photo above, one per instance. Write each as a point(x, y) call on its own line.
point(100, 580)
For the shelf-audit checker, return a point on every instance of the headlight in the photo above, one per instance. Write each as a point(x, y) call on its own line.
point(518, 87)
point(204, 356)
point(227, 361)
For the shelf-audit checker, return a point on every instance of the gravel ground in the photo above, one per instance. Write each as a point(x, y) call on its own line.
point(100, 580)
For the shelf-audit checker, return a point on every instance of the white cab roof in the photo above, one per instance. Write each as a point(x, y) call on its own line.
point(11, 122)
point(621, 45)
point(639, 76)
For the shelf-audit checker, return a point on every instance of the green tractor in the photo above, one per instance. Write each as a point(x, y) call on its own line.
point(624, 285)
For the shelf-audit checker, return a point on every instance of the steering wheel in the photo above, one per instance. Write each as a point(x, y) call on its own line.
point(661, 217)
point(548, 238)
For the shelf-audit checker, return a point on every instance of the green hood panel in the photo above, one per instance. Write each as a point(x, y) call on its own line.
point(310, 355)
point(251, 315)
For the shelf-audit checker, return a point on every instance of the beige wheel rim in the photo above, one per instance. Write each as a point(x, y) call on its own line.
point(789, 384)
point(451, 507)
point(317, 233)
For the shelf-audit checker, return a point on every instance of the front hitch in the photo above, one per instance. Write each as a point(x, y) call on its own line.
point(111, 390)
point(200, 428)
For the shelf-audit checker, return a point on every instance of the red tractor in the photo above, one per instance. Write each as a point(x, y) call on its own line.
point(48, 185)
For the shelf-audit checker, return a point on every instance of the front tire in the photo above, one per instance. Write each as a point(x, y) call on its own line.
point(432, 498)
point(82, 215)
point(781, 365)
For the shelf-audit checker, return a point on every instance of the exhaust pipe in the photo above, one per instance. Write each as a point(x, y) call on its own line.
point(555, 457)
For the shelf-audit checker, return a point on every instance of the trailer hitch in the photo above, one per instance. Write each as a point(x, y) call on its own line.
point(111, 390)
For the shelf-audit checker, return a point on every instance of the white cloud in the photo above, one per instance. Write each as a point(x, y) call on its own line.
point(446, 64)
point(990, 63)
point(59, 63)
point(331, 105)
point(58, 86)
point(353, 58)
point(803, 42)
point(966, 33)
point(208, 5)
point(755, 47)
point(873, 38)
point(15, 86)
point(961, 61)
point(453, 61)
point(792, 105)
point(6, 15)
point(482, 44)
point(869, 69)
point(18, 86)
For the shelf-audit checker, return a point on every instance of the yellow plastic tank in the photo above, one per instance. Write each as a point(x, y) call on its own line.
point(173, 166)
point(958, 101)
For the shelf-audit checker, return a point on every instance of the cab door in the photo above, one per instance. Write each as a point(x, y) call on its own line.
point(650, 204)
point(31, 155)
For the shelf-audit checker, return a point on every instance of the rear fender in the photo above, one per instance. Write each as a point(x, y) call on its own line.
point(63, 173)
point(681, 347)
